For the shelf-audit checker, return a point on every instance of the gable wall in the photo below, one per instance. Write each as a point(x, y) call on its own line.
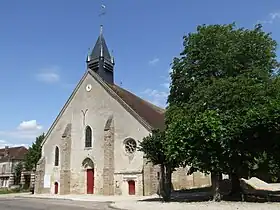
point(100, 106)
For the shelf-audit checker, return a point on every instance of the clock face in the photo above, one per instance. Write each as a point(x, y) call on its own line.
point(88, 87)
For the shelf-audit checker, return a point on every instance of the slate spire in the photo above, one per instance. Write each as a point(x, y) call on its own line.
point(100, 60)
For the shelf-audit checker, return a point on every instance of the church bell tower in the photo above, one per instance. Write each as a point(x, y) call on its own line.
point(100, 60)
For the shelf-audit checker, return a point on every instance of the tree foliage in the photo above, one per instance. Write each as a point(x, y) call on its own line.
point(218, 51)
point(34, 153)
point(153, 147)
point(224, 100)
point(18, 169)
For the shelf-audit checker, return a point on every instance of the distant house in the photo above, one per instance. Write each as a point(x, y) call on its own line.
point(9, 158)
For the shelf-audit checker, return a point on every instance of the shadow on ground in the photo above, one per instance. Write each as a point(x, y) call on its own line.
point(204, 194)
point(187, 195)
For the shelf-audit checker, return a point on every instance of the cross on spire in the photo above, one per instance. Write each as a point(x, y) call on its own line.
point(100, 60)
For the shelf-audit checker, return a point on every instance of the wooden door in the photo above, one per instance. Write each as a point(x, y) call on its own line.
point(131, 187)
point(90, 181)
point(55, 188)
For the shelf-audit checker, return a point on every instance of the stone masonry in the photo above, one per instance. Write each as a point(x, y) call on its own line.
point(181, 179)
point(150, 180)
point(65, 172)
point(108, 170)
point(39, 177)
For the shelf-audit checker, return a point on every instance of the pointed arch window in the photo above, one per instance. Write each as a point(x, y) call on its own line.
point(56, 156)
point(88, 137)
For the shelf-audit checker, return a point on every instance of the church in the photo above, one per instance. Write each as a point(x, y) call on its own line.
point(91, 147)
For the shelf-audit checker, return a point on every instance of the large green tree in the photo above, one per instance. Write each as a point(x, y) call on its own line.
point(223, 97)
point(34, 153)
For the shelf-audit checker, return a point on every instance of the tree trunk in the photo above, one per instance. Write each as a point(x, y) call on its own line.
point(165, 182)
point(168, 183)
point(235, 187)
point(162, 181)
point(215, 180)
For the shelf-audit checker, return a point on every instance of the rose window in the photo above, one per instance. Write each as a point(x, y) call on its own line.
point(130, 146)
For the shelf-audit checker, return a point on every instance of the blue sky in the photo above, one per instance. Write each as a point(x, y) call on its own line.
point(43, 46)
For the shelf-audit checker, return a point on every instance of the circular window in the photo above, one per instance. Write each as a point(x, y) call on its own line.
point(130, 146)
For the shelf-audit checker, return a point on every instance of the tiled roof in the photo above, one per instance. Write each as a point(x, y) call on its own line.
point(152, 114)
point(13, 153)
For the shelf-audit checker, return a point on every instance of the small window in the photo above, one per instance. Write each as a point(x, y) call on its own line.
point(88, 137)
point(56, 158)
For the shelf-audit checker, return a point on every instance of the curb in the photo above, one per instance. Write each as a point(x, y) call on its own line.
point(68, 199)
point(43, 198)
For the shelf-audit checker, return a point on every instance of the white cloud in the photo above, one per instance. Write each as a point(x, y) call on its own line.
point(49, 75)
point(29, 125)
point(156, 97)
point(4, 143)
point(272, 18)
point(23, 134)
point(154, 61)
point(275, 15)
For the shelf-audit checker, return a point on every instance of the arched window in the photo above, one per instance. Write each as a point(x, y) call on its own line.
point(56, 156)
point(88, 137)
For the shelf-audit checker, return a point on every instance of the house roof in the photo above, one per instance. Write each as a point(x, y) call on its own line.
point(13, 153)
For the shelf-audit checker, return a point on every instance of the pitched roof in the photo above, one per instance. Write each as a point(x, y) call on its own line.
point(151, 113)
point(13, 153)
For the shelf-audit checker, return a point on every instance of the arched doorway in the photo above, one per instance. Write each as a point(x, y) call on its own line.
point(55, 188)
point(89, 168)
point(131, 187)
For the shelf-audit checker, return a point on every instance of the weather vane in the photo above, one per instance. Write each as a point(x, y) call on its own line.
point(102, 10)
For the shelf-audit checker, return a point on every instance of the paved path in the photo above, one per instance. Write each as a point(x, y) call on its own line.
point(46, 204)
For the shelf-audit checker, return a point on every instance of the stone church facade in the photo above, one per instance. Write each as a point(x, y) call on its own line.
point(91, 148)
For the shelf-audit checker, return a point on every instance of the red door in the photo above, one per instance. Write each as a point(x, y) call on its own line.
point(55, 188)
point(131, 187)
point(90, 181)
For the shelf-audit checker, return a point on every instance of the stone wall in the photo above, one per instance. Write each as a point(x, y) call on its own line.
point(39, 176)
point(180, 179)
point(150, 178)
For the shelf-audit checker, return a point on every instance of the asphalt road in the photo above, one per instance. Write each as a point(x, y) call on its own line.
point(46, 204)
